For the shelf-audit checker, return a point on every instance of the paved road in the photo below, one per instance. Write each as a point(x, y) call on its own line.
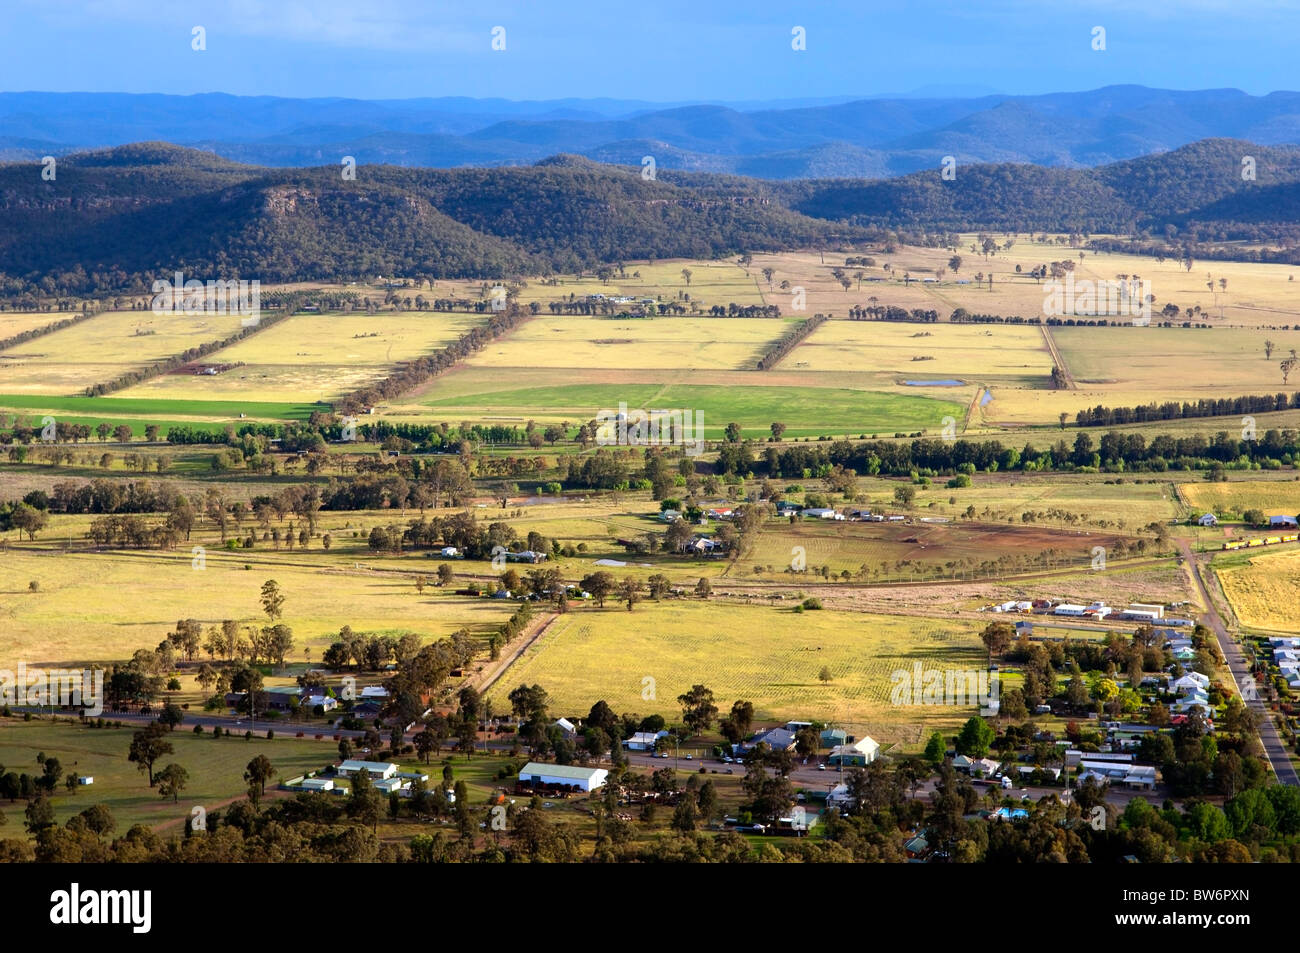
point(1278, 755)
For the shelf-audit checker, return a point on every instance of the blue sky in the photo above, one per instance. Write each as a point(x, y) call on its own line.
point(657, 50)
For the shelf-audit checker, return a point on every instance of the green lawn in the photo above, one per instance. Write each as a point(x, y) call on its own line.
point(215, 766)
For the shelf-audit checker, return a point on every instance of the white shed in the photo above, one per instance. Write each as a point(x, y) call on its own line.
point(561, 775)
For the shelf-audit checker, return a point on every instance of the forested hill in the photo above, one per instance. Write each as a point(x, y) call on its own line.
point(116, 219)
point(1199, 183)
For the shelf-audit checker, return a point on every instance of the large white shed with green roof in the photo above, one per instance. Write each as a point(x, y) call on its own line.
point(556, 775)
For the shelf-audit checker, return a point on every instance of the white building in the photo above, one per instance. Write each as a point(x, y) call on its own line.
point(378, 770)
point(643, 740)
point(562, 775)
point(1068, 608)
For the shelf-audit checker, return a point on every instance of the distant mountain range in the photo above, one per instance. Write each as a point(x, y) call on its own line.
point(116, 219)
point(858, 138)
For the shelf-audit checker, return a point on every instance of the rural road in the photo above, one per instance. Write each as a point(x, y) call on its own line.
point(1057, 359)
point(1274, 748)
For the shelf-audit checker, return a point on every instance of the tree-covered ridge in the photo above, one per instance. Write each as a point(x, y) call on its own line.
point(114, 220)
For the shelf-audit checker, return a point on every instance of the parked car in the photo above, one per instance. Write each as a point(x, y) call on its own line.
point(821, 767)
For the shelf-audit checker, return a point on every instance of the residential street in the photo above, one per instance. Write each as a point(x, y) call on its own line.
point(1268, 734)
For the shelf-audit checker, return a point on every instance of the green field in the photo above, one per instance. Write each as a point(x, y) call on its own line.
point(120, 406)
point(807, 411)
point(215, 766)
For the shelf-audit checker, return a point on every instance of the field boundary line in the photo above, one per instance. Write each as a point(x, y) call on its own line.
point(507, 662)
point(1057, 359)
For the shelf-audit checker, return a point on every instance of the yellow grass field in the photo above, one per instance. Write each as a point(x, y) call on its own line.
point(622, 343)
point(1257, 295)
point(18, 322)
point(771, 657)
point(1263, 590)
point(977, 352)
point(311, 357)
point(712, 282)
point(104, 347)
point(104, 606)
point(1271, 496)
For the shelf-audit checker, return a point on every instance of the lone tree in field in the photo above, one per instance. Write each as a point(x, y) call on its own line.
point(1268, 350)
point(272, 599)
point(445, 574)
point(147, 746)
point(997, 638)
point(171, 781)
point(698, 710)
point(629, 591)
point(703, 589)
point(28, 519)
point(825, 674)
point(686, 274)
point(600, 585)
point(778, 428)
point(1289, 365)
point(258, 772)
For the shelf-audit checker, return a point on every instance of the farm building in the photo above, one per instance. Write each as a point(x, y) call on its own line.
point(1069, 608)
point(1140, 615)
point(317, 784)
point(539, 774)
point(859, 753)
point(822, 513)
point(567, 728)
point(1208, 519)
point(378, 770)
point(1276, 522)
point(643, 740)
point(525, 556)
point(834, 737)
